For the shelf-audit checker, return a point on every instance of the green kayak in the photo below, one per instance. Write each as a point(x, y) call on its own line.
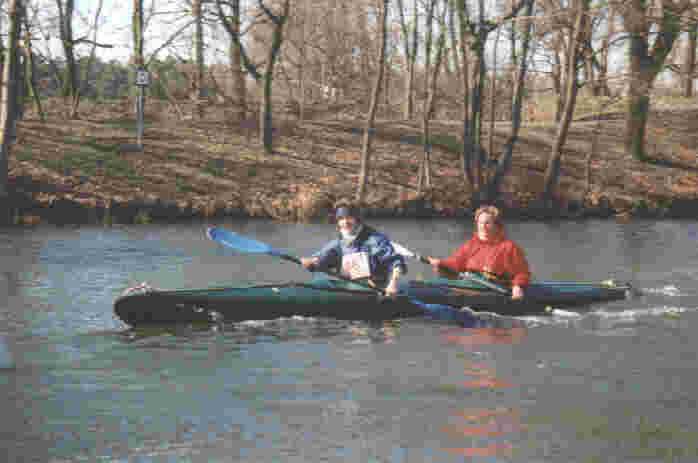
point(350, 301)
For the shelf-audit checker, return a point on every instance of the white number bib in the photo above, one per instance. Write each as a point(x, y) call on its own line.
point(355, 265)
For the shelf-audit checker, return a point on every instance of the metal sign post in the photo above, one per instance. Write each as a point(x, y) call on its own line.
point(142, 81)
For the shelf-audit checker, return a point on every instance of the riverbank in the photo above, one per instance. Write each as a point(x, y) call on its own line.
point(83, 171)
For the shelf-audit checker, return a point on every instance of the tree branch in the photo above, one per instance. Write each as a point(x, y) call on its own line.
point(91, 42)
point(168, 42)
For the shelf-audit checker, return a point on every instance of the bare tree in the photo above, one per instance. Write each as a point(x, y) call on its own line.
point(410, 34)
point(452, 50)
point(375, 96)
point(29, 63)
point(264, 81)
point(689, 63)
point(504, 162)
point(493, 94)
point(605, 51)
point(474, 33)
point(574, 55)
point(90, 62)
point(137, 29)
point(229, 16)
point(65, 27)
point(431, 77)
point(639, 19)
point(71, 81)
point(463, 14)
point(8, 95)
point(199, 57)
point(304, 61)
point(557, 23)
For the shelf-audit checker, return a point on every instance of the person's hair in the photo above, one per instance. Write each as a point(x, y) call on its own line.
point(491, 210)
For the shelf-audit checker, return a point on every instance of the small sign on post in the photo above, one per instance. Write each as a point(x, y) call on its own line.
point(142, 78)
point(142, 81)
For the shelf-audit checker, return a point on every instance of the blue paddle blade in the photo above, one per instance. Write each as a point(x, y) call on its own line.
point(244, 244)
point(448, 313)
point(239, 242)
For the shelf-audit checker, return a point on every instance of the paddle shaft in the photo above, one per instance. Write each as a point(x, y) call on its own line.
point(252, 246)
point(400, 249)
point(290, 258)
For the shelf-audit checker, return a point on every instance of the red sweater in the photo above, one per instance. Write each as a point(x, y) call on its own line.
point(500, 256)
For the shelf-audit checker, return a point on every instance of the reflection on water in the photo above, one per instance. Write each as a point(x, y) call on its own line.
point(6, 359)
point(489, 432)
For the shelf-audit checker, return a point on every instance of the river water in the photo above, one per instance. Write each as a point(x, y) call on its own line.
point(613, 382)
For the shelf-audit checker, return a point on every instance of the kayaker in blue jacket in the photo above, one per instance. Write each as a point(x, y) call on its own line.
point(360, 252)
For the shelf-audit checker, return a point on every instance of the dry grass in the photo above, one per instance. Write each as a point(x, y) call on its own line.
point(199, 162)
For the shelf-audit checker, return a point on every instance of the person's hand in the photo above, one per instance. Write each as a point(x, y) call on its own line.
point(391, 289)
point(517, 292)
point(435, 263)
point(310, 262)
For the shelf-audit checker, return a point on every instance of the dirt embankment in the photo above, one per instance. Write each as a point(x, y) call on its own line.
point(76, 171)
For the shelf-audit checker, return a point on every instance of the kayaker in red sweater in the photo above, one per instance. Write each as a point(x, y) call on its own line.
point(490, 253)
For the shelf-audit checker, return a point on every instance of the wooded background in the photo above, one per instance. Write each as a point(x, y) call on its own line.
point(253, 62)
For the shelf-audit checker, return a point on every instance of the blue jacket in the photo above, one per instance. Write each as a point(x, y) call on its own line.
point(382, 257)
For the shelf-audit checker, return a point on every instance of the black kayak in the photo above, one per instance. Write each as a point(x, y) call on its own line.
point(344, 300)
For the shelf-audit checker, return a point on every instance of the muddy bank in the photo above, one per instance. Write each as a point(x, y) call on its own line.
point(32, 203)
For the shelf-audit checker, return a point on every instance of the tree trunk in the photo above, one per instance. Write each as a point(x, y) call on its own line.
point(65, 18)
point(19, 100)
point(370, 119)
point(637, 112)
point(239, 85)
point(302, 78)
point(29, 76)
point(424, 179)
point(689, 66)
point(275, 49)
point(493, 103)
point(479, 73)
point(263, 81)
point(590, 81)
point(576, 44)
point(137, 32)
point(560, 76)
point(410, 49)
point(603, 60)
point(453, 49)
point(505, 160)
point(645, 65)
point(199, 56)
point(237, 72)
point(84, 81)
point(466, 155)
point(472, 159)
point(8, 95)
point(137, 26)
point(409, 110)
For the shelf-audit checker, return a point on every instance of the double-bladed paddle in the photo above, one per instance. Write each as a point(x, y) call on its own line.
point(251, 246)
point(400, 249)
